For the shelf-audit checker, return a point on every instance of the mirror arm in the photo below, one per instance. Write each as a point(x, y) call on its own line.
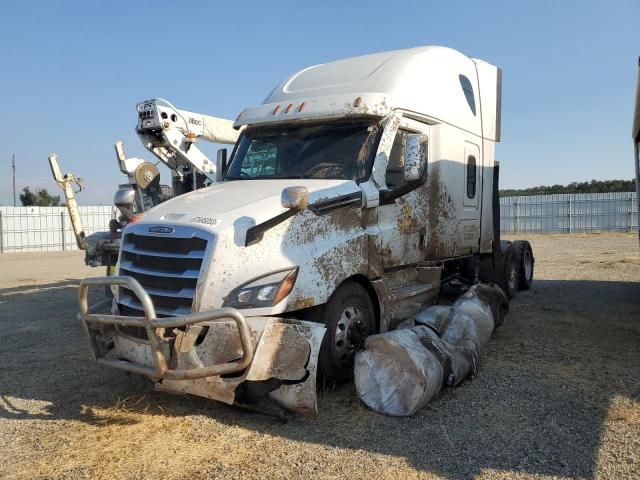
point(255, 233)
point(388, 197)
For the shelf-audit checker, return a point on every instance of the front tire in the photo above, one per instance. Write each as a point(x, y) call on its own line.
point(349, 318)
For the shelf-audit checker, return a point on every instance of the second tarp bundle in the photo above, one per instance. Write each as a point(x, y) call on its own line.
point(399, 372)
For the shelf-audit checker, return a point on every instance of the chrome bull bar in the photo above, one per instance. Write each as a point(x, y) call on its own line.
point(90, 320)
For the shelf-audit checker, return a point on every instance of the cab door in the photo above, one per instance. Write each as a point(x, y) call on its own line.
point(402, 214)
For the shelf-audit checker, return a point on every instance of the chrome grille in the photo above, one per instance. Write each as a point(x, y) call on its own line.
point(167, 266)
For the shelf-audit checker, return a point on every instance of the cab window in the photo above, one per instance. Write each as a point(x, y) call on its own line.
point(467, 89)
point(260, 159)
point(471, 176)
point(395, 174)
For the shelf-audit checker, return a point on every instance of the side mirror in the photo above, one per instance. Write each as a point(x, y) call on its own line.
point(295, 197)
point(415, 156)
point(221, 164)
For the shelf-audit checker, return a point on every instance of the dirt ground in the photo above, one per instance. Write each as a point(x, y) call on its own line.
point(557, 394)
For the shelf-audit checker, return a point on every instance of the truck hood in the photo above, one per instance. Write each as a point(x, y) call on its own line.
point(229, 201)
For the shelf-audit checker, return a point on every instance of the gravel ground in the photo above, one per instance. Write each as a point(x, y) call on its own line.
point(557, 394)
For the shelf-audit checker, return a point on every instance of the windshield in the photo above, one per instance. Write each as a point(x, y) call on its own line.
point(337, 150)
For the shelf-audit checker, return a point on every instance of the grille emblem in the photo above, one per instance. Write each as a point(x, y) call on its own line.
point(161, 229)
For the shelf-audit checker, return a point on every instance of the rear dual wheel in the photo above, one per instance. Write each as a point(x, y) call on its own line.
point(510, 269)
point(517, 267)
point(524, 254)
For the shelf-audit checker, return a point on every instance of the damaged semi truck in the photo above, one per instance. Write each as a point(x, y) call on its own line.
point(354, 195)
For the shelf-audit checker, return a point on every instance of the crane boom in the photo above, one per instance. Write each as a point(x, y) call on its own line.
point(170, 134)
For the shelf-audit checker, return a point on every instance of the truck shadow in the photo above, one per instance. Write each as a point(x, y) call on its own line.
point(538, 404)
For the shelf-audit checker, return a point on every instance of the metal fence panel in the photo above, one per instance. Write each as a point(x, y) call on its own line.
point(569, 213)
point(44, 229)
point(41, 229)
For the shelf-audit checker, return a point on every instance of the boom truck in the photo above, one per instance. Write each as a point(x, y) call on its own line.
point(357, 193)
point(170, 135)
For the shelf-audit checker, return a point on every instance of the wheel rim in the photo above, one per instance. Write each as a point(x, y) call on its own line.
point(350, 333)
point(527, 265)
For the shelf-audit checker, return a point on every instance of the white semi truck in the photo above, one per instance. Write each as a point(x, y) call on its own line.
point(355, 194)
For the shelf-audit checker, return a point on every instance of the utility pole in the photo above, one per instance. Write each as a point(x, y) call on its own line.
point(13, 165)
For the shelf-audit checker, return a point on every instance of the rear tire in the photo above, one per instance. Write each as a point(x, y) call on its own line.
point(524, 254)
point(510, 271)
point(349, 317)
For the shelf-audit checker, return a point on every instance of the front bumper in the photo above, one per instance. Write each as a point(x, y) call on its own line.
point(216, 354)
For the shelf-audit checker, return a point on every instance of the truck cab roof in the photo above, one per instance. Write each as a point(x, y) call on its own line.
point(433, 81)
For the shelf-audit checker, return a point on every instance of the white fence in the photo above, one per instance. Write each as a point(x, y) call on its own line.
point(44, 229)
point(41, 229)
point(569, 213)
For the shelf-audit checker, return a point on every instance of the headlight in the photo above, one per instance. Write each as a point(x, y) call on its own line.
point(264, 291)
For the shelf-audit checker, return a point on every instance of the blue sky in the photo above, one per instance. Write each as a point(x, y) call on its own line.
point(72, 73)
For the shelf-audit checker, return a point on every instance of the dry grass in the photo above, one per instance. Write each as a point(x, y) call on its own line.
point(137, 438)
point(626, 410)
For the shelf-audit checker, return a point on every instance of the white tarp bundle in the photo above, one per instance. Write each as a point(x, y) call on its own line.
point(399, 372)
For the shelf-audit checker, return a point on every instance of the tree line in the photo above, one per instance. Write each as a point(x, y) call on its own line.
point(39, 198)
point(594, 186)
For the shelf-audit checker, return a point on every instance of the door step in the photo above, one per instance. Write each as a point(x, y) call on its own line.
point(411, 290)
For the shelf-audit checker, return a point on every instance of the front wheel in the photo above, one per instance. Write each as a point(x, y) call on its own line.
point(349, 318)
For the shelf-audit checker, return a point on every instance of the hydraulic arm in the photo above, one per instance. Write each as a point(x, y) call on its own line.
point(170, 134)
